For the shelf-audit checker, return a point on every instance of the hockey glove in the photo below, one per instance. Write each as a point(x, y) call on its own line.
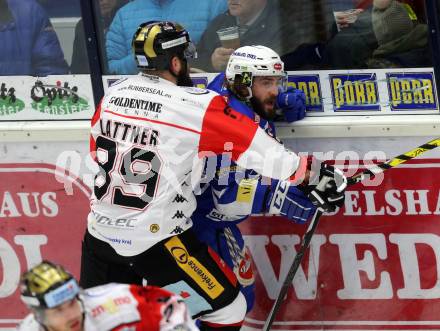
point(293, 104)
point(288, 201)
point(327, 191)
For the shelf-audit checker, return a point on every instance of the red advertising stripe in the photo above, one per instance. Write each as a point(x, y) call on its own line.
point(39, 220)
point(373, 265)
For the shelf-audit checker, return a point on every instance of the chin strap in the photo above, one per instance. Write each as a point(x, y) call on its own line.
point(249, 97)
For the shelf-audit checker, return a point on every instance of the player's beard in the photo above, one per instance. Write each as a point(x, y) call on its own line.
point(259, 108)
point(183, 78)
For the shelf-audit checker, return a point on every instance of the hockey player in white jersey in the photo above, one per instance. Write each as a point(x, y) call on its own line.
point(147, 134)
point(57, 304)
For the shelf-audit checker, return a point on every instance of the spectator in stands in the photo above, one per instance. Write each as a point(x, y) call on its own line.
point(193, 15)
point(29, 43)
point(402, 40)
point(258, 24)
point(271, 23)
point(351, 41)
point(105, 13)
point(388, 33)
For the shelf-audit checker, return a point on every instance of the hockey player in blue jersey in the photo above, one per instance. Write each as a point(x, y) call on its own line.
point(233, 193)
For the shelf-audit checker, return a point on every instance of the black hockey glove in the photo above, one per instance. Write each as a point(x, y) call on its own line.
point(326, 192)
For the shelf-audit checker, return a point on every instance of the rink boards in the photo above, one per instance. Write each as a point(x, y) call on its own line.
point(373, 265)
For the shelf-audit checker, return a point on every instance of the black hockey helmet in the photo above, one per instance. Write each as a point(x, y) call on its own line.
point(156, 42)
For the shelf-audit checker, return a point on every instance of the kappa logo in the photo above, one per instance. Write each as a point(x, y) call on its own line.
point(177, 230)
point(179, 198)
point(179, 214)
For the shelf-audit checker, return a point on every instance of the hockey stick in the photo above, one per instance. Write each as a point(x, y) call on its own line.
point(376, 169)
point(293, 268)
point(379, 168)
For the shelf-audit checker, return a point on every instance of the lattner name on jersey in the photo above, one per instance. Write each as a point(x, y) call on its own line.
point(126, 132)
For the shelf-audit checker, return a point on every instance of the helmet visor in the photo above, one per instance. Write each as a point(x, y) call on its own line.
point(58, 296)
point(64, 293)
point(282, 82)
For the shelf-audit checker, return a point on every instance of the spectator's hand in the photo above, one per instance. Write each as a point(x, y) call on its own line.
point(347, 17)
point(293, 104)
point(220, 57)
point(382, 4)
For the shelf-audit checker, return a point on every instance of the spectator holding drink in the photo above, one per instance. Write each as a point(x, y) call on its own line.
point(229, 37)
point(402, 39)
point(247, 22)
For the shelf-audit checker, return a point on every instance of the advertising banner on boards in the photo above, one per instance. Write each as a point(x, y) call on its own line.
point(61, 97)
point(357, 92)
point(373, 265)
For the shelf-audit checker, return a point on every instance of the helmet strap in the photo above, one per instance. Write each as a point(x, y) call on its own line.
point(182, 78)
point(171, 71)
point(39, 317)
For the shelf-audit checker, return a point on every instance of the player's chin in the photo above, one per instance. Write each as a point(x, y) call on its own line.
point(269, 106)
point(270, 111)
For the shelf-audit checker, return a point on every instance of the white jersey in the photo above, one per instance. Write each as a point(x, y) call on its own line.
point(148, 134)
point(118, 307)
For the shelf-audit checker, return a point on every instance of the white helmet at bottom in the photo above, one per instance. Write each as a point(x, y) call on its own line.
point(251, 61)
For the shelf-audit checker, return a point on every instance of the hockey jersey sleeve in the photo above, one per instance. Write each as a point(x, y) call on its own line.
point(160, 310)
point(237, 192)
point(139, 308)
point(224, 129)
